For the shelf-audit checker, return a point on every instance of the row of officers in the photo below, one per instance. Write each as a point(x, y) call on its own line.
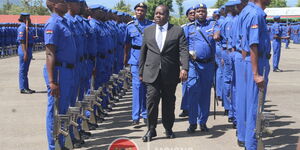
point(231, 50)
point(9, 34)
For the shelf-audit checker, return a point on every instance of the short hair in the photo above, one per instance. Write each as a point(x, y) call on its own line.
point(165, 7)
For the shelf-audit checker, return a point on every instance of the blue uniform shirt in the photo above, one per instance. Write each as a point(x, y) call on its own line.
point(21, 36)
point(198, 43)
point(276, 29)
point(135, 38)
point(58, 33)
point(91, 38)
point(254, 29)
point(100, 36)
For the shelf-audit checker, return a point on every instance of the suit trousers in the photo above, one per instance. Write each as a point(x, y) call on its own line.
point(165, 91)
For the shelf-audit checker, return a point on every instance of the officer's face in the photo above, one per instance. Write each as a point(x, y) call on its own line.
point(201, 14)
point(191, 15)
point(61, 7)
point(140, 13)
point(216, 17)
point(161, 16)
point(74, 7)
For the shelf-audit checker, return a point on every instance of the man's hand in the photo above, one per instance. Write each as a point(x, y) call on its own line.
point(25, 57)
point(259, 80)
point(183, 75)
point(141, 78)
point(222, 62)
point(54, 89)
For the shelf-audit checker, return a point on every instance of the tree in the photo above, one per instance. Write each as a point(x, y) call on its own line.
point(122, 6)
point(219, 3)
point(152, 4)
point(34, 7)
point(278, 3)
point(180, 7)
point(298, 5)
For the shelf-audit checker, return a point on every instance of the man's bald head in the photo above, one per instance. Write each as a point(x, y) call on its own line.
point(161, 15)
point(164, 8)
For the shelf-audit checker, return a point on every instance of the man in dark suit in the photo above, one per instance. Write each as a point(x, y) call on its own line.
point(163, 51)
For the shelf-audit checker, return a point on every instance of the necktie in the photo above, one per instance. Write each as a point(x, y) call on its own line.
point(160, 38)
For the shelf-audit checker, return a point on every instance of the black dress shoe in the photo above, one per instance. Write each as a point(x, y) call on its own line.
point(135, 122)
point(191, 128)
point(234, 125)
point(32, 91)
point(149, 135)
point(170, 134)
point(230, 120)
point(203, 128)
point(184, 113)
point(277, 70)
point(226, 113)
point(145, 120)
point(25, 91)
point(241, 144)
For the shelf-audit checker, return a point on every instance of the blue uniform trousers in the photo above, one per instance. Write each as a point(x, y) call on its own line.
point(252, 102)
point(276, 53)
point(219, 72)
point(66, 84)
point(232, 112)
point(240, 76)
point(184, 100)
point(199, 91)
point(23, 72)
point(100, 72)
point(227, 80)
point(139, 95)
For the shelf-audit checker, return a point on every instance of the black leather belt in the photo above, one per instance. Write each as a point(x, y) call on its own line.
point(81, 58)
point(66, 65)
point(92, 58)
point(109, 51)
point(102, 56)
point(136, 47)
point(204, 61)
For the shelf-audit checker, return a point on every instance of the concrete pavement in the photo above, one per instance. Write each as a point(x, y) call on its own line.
point(22, 117)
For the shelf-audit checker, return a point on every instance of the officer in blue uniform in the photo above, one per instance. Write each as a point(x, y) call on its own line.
point(133, 42)
point(276, 43)
point(201, 39)
point(190, 14)
point(59, 71)
point(240, 80)
point(256, 48)
point(25, 40)
point(287, 33)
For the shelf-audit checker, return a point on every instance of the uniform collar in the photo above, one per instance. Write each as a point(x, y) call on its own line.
point(141, 22)
point(197, 22)
point(55, 15)
point(79, 18)
point(70, 17)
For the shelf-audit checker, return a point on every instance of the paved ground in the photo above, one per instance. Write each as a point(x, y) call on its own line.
point(22, 117)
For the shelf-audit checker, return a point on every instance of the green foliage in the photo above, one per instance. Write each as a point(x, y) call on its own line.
point(298, 5)
point(278, 3)
point(122, 6)
point(34, 7)
point(219, 3)
point(180, 7)
point(152, 4)
point(178, 21)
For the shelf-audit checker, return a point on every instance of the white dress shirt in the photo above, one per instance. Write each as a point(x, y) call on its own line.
point(162, 33)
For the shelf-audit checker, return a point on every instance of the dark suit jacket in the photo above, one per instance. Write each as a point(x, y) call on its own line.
point(174, 54)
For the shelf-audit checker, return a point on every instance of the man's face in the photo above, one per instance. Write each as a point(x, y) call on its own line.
point(201, 14)
point(61, 6)
point(216, 17)
point(191, 15)
point(161, 16)
point(74, 7)
point(140, 13)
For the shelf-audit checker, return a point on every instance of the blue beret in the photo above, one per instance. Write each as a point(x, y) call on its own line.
point(187, 11)
point(120, 13)
point(276, 17)
point(143, 5)
point(76, 1)
point(222, 7)
point(96, 6)
point(25, 14)
point(217, 12)
point(114, 11)
point(201, 5)
point(233, 2)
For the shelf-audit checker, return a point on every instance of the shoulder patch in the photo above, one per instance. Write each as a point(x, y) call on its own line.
point(49, 32)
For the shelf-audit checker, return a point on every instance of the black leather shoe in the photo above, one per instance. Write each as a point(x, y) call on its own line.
point(241, 144)
point(277, 70)
point(230, 120)
point(32, 91)
point(149, 135)
point(145, 120)
point(184, 113)
point(135, 122)
point(170, 134)
point(226, 113)
point(25, 91)
point(203, 128)
point(191, 128)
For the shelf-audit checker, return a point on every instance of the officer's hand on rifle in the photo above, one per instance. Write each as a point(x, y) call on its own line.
point(259, 80)
point(54, 89)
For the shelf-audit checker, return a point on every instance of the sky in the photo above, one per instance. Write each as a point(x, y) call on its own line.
point(186, 3)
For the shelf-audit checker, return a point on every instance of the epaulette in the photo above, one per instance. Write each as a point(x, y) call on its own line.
point(130, 22)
